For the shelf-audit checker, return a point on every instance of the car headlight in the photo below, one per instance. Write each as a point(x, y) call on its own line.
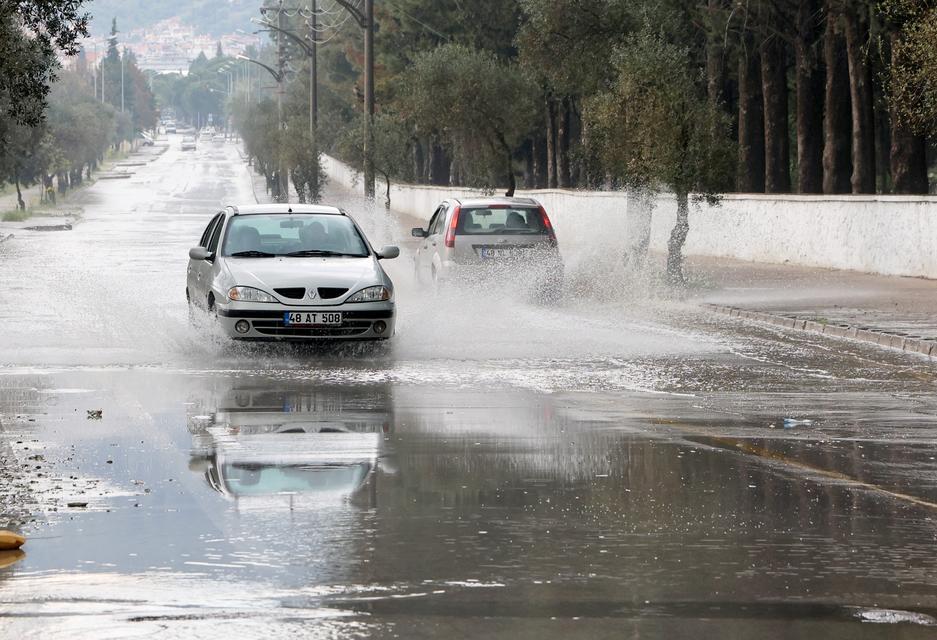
point(249, 294)
point(372, 294)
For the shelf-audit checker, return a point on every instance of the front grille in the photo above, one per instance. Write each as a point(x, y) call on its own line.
point(348, 328)
point(330, 293)
point(295, 293)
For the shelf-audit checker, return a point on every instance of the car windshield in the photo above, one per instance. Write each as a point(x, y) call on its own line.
point(488, 221)
point(294, 235)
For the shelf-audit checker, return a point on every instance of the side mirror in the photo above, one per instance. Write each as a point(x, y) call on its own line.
point(201, 253)
point(388, 253)
point(417, 232)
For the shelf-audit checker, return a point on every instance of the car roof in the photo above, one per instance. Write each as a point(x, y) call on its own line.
point(497, 200)
point(255, 209)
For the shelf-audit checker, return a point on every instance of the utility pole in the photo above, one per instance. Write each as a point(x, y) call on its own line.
point(369, 99)
point(314, 98)
point(124, 55)
point(283, 176)
point(366, 21)
point(310, 48)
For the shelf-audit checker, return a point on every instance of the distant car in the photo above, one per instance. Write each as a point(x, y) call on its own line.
point(291, 272)
point(218, 139)
point(511, 239)
point(188, 143)
point(170, 127)
point(146, 139)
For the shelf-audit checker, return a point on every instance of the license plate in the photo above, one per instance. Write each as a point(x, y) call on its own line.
point(309, 318)
point(499, 252)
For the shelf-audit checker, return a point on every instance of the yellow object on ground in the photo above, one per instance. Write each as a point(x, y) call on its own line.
point(10, 540)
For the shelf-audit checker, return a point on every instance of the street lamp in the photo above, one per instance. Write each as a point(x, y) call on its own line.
point(310, 49)
point(283, 184)
point(365, 20)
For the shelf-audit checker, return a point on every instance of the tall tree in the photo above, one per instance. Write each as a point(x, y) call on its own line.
point(837, 116)
point(809, 80)
point(856, 19)
point(31, 32)
point(657, 128)
point(751, 122)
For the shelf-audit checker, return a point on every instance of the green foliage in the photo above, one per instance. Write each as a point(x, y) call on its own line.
point(912, 77)
point(31, 31)
point(194, 96)
point(654, 127)
point(488, 106)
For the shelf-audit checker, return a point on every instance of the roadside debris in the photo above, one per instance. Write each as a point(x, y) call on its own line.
point(95, 414)
point(790, 423)
point(10, 540)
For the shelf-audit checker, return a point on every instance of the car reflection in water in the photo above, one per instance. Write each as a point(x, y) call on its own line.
point(290, 446)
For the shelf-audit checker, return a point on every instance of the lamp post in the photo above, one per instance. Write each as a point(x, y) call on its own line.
point(283, 194)
point(310, 48)
point(365, 20)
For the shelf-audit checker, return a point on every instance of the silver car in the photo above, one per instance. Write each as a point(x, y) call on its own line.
point(510, 239)
point(291, 272)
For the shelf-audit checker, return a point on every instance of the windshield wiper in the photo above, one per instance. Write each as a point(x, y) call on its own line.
point(252, 254)
point(317, 253)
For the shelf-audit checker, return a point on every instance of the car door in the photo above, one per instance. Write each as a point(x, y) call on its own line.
point(434, 239)
point(210, 268)
point(195, 271)
point(423, 254)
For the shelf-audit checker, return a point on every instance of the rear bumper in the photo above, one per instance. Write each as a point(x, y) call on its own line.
point(361, 322)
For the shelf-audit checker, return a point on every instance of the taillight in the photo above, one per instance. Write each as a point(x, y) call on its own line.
point(450, 232)
point(548, 225)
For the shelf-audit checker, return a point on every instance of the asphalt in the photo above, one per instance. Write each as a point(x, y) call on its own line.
point(617, 465)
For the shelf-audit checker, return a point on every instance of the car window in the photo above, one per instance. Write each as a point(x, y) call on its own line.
point(484, 220)
point(206, 235)
point(432, 223)
point(439, 221)
point(213, 244)
point(284, 234)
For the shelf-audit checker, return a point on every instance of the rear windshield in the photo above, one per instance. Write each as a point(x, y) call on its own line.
point(485, 221)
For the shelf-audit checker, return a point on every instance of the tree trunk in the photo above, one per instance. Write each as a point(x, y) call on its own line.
point(439, 165)
point(509, 166)
point(417, 154)
point(21, 205)
point(908, 161)
point(715, 55)
point(751, 167)
point(677, 239)
point(529, 179)
point(809, 98)
point(551, 143)
point(777, 133)
point(539, 161)
point(837, 120)
point(908, 152)
point(562, 145)
point(860, 93)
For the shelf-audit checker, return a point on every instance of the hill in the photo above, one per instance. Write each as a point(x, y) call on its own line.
point(212, 17)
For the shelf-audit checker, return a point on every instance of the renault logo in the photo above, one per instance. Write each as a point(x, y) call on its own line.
point(312, 293)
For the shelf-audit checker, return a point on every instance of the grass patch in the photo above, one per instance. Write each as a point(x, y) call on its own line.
point(15, 215)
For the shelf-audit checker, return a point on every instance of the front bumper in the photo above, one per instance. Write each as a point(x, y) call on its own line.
point(359, 322)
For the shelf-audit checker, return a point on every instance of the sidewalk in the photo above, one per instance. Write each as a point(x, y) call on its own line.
point(893, 312)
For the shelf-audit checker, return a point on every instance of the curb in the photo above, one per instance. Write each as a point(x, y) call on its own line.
point(896, 341)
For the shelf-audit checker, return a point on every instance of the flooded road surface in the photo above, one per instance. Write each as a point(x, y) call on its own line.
point(613, 467)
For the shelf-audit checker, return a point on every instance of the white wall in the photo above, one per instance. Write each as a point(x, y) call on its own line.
point(891, 235)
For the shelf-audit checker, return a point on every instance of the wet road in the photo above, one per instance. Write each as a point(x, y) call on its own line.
point(614, 467)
